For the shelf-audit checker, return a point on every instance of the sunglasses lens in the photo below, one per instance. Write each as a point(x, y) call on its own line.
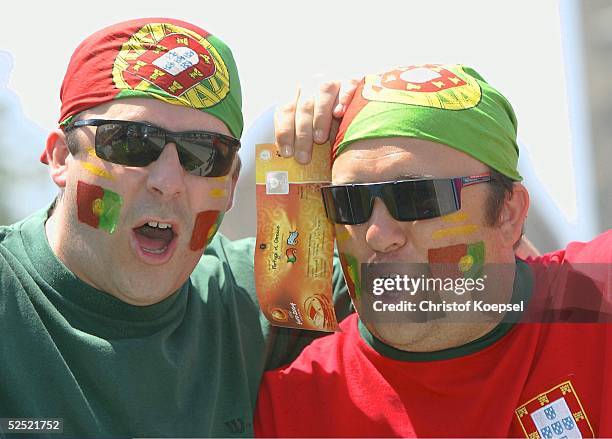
point(347, 204)
point(136, 144)
point(422, 199)
point(405, 200)
point(205, 154)
point(129, 144)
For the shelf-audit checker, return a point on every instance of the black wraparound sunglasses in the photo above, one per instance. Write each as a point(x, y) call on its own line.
point(129, 143)
point(406, 200)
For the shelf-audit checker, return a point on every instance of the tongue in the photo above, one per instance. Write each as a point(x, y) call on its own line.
point(153, 238)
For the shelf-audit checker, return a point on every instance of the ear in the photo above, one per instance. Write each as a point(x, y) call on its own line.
point(513, 214)
point(235, 175)
point(56, 152)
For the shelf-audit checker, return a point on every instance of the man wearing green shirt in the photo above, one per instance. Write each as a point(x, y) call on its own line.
point(122, 313)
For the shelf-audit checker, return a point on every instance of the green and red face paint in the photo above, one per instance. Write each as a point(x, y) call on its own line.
point(206, 225)
point(98, 207)
point(352, 274)
point(460, 260)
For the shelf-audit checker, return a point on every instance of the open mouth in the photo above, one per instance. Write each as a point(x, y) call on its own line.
point(155, 241)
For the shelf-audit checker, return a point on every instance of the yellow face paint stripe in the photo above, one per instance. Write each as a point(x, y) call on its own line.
point(456, 217)
point(217, 193)
point(223, 178)
point(91, 152)
point(454, 231)
point(98, 171)
point(342, 235)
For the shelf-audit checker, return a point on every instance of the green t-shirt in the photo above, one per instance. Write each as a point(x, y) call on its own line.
point(187, 366)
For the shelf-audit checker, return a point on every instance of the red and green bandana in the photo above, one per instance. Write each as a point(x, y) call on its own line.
point(160, 58)
point(448, 104)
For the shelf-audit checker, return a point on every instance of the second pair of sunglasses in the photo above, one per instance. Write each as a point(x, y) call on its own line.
point(130, 143)
point(406, 200)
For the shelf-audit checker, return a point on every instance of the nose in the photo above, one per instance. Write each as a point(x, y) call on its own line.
point(384, 234)
point(166, 175)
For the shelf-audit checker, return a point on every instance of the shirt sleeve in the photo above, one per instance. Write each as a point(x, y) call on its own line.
point(577, 280)
point(599, 250)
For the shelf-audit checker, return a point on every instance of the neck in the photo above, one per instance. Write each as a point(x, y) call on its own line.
point(57, 229)
point(445, 336)
point(53, 229)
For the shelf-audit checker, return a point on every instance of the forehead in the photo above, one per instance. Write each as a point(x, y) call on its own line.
point(168, 116)
point(402, 157)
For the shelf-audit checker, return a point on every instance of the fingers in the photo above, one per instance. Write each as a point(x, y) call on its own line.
point(347, 91)
point(328, 98)
point(284, 127)
point(298, 125)
point(303, 131)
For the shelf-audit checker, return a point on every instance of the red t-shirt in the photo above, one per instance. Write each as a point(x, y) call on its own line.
point(544, 380)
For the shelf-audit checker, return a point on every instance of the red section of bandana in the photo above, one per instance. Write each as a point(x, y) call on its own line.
point(355, 106)
point(204, 222)
point(89, 80)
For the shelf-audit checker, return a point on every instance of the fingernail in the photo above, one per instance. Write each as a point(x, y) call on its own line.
point(302, 157)
point(318, 135)
point(339, 108)
point(286, 151)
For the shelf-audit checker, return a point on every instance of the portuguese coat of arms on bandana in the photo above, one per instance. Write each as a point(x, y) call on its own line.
point(427, 85)
point(183, 64)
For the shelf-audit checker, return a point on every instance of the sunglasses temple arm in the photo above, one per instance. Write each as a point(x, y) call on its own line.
point(457, 186)
point(460, 183)
point(475, 179)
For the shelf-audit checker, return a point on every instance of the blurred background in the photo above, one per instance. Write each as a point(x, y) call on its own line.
point(551, 58)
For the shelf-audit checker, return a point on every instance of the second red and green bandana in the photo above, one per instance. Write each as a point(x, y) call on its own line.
point(448, 104)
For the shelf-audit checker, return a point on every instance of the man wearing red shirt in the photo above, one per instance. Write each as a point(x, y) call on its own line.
point(413, 148)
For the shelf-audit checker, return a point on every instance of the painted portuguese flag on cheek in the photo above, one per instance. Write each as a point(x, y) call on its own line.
point(98, 207)
point(461, 260)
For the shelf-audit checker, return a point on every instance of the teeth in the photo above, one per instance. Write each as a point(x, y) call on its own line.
point(159, 225)
point(156, 252)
